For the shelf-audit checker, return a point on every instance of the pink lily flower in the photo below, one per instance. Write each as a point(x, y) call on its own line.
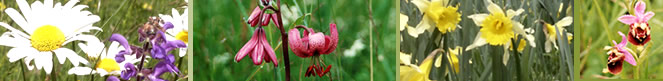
point(258, 49)
point(312, 43)
point(639, 30)
point(618, 54)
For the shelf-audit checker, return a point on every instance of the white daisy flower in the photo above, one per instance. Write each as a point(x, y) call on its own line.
point(180, 27)
point(45, 29)
point(107, 64)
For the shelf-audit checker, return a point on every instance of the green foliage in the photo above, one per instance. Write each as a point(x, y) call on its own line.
point(220, 30)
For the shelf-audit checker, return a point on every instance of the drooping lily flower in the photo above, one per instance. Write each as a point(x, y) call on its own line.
point(639, 29)
point(618, 54)
point(258, 49)
point(313, 44)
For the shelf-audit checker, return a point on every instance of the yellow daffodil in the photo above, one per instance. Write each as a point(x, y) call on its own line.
point(551, 33)
point(438, 13)
point(497, 28)
point(453, 58)
point(411, 72)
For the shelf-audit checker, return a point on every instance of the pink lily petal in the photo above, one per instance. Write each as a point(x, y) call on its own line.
point(334, 38)
point(296, 43)
point(255, 16)
point(265, 19)
point(276, 22)
point(627, 19)
point(640, 8)
point(248, 47)
point(269, 51)
point(258, 52)
point(317, 42)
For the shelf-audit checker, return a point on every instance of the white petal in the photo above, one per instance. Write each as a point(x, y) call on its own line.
point(16, 54)
point(493, 8)
point(48, 3)
point(505, 57)
point(18, 18)
point(511, 13)
point(478, 41)
point(548, 46)
point(28, 59)
point(478, 18)
point(81, 71)
point(182, 52)
point(25, 9)
point(86, 38)
point(45, 61)
point(101, 72)
point(7, 40)
point(403, 21)
point(61, 55)
point(421, 4)
point(566, 21)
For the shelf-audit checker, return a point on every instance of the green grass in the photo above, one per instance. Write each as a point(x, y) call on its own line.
point(117, 16)
point(220, 31)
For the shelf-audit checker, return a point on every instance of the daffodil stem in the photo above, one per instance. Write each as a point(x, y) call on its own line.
point(515, 54)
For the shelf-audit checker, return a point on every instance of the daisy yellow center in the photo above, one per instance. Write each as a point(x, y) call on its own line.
point(496, 29)
point(108, 64)
point(47, 38)
point(552, 34)
point(183, 36)
point(445, 18)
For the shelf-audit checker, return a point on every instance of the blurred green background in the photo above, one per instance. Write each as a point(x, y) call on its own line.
point(220, 31)
point(117, 16)
point(600, 29)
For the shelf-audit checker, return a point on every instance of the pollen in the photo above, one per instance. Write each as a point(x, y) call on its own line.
point(183, 36)
point(47, 38)
point(108, 64)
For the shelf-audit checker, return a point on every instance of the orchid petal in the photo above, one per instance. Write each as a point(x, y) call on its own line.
point(627, 19)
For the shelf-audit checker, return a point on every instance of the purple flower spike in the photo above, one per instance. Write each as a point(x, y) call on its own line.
point(123, 41)
point(129, 72)
point(168, 25)
point(112, 78)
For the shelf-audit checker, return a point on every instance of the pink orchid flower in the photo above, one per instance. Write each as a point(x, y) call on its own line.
point(312, 43)
point(639, 30)
point(258, 49)
point(618, 54)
